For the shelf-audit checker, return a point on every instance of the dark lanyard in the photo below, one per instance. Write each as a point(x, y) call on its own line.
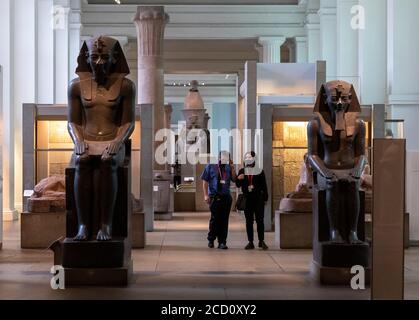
point(250, 180)
point(224, 175)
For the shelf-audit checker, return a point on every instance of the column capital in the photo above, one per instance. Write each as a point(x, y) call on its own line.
point(272, 48)
point(150, 22)
point(274, 40)
point(145, 13)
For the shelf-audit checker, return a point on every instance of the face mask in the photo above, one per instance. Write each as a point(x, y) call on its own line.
point(224, 159)
point(249, 162)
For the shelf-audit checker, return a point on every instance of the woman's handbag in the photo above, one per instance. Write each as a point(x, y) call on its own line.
point(241, 202)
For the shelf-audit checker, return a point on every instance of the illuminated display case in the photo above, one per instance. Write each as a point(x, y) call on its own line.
point(289, 144)
point(48, 148)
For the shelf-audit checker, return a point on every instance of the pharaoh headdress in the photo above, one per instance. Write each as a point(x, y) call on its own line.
point(322, 112)
point(117, 73)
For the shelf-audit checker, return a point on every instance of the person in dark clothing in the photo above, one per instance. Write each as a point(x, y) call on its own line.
point(254, 188)
point(216, 184)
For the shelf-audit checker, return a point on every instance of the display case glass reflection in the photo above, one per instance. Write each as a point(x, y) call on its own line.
point(289, 146)
point(394, 129)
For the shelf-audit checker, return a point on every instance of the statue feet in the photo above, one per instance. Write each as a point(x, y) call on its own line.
point(82, 233)
point(353, 238)
point(335, 237)
point(104, 233)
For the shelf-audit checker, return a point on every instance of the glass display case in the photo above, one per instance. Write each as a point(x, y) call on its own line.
point(289, 145)
point(394, 129)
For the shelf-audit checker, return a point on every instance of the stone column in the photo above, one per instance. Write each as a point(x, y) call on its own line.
point(150, 22)
point(61, 50)
point(312, 26)
point(347, 44)
point(45, 52)
point(301, 49)
point(24, 75)
point(168, 109)
point(74, 36)
point(373, 59)
point(8, 146)
point(328, 36)
point(271, 48)
point(250, 105)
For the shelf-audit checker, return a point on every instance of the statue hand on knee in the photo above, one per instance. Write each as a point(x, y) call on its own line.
point(114, 147)
point(81, 148)
point(332, 180)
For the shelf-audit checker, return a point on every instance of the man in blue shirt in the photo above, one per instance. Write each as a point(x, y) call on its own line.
point(216, 184)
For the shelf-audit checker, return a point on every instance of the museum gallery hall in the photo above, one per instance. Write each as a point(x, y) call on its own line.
point(214, 150)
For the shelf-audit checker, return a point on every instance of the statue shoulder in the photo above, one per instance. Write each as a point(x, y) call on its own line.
point(313, 125)
point(361, 126)
point(74, 87)
point(128, 87)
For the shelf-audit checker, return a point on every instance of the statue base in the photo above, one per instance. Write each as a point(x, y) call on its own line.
point(98, 263)
point(95, 254)
point(109, 277)
point(335, 276)
point(342, 255)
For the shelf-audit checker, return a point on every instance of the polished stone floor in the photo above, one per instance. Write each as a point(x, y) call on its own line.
point(176, 264)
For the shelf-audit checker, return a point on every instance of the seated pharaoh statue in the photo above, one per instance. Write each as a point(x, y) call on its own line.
point(101, 118)
point(336, 144)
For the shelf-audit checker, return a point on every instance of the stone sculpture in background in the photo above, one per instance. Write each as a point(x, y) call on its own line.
point(301, 199)
point(48, 195)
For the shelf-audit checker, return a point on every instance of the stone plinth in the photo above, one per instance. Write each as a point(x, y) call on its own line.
point(293, 230)
point(39, 230)
point(138, 230)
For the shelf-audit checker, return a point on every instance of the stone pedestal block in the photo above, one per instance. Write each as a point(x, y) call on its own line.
point(138, 230)
point(109, 277)
point(39, 230)
point(293, 230)
point(185, 201)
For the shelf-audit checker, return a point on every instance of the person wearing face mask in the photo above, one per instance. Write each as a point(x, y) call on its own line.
point(216, 186)
point(252, 181)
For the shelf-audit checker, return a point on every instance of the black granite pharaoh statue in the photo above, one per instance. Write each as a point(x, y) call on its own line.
point(337, 156)
point(100, 120)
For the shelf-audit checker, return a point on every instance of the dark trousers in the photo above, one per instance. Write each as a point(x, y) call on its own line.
point(220, 212)
point(255, 209)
